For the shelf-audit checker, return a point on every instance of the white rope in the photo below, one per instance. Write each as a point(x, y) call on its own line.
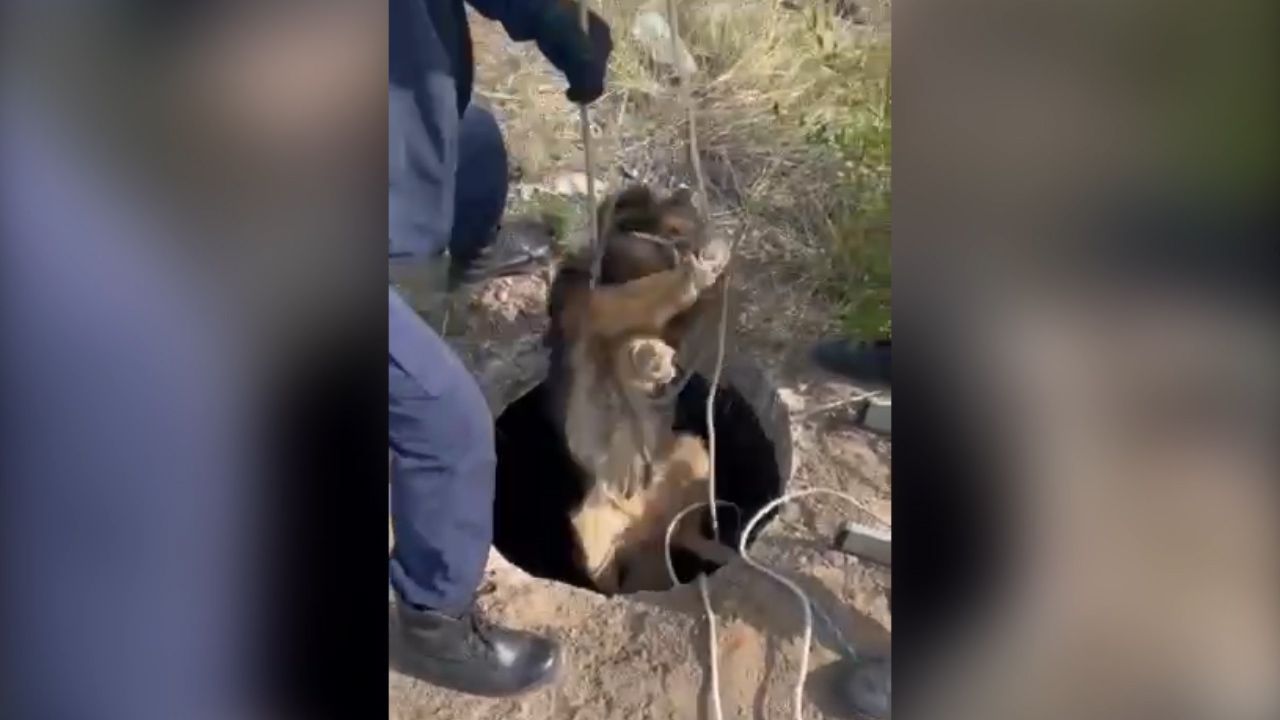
point(584, 122)
point(671, 528)
point(716, 709)
point(686, 101)
point(711, 407)
point(805, 601)
point(806, 413)
point(712, 503)
point(704, 203)
point(806, 604)
point(597, 244)
point(717, 712)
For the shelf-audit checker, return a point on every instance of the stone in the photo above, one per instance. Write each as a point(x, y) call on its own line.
point(651, 30)
point(879, 415)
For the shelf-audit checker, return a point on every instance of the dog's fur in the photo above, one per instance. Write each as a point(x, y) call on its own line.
point(634, 218)
point(643, 235)
point(622, 539)
point(613, 351)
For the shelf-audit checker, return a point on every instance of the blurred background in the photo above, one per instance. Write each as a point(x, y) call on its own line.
point(1084, 270)
point(193, 240)
point(1084, 267)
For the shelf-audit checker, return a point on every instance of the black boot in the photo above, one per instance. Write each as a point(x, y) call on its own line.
point(472, 656)
point(866, 363)
point(867, 685)
point(519, 246)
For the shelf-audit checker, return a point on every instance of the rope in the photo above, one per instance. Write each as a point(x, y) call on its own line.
point(671, 528)
point(686, 101)
point(703, 206)
point(807, 604)
point(703, 202)
point(716, 709)
point(584, 122)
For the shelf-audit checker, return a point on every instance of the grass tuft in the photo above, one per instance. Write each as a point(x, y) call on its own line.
point(793, 118)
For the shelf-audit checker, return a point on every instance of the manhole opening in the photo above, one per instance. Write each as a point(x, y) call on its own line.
point(539, 486)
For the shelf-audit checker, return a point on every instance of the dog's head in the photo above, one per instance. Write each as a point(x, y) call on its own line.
point(645, 233)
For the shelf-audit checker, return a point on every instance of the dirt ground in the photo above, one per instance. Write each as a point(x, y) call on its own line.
point(646, 655)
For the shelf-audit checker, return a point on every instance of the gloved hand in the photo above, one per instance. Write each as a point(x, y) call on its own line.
point(582, 57)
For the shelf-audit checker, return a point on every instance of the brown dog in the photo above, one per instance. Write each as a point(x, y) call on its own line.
point(613, 351)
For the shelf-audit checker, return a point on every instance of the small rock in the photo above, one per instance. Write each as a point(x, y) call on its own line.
point(794, 401)
point(852, 11)
point(569, 183)
point(879, 415)
point(575, 183)
point(651, 30)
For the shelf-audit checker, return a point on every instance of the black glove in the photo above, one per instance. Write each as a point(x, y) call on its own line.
point(582, 57)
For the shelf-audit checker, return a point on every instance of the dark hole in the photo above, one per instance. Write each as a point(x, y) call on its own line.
point(539, 486)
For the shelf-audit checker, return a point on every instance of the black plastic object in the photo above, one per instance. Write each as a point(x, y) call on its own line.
point(866, 363)
point(865, 686)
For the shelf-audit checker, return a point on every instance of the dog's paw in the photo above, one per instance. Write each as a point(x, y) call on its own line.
point(654, 361)
point(709, 263)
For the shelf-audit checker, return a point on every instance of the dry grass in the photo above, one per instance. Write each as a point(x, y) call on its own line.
point(793, 127)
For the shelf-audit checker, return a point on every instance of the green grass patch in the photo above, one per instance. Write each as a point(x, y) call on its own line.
point(854, 124)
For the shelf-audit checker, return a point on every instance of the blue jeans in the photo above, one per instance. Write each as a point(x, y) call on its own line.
point(443, 462)
point(447, 170)
point(439, 426)
point(480, 192)
point(447, 189)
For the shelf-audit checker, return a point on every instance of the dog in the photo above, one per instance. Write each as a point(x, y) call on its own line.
point(613, 352)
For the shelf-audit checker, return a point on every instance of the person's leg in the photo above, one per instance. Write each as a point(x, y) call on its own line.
point(422, 136)
point(480, 193)
point(442, 486)
point(441, 437)
point(481, 244)
point(439, 426)
point(422, 154)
